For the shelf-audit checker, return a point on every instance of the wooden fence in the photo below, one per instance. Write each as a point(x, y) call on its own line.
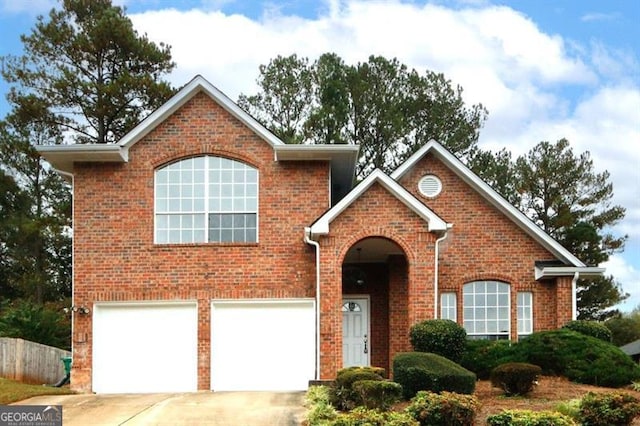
point(30, 362)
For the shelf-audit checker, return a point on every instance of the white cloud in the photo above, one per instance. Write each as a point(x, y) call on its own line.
point(595, 16)
point(629, 277)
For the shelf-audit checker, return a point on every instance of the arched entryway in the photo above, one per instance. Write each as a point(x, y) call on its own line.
point(374, 304)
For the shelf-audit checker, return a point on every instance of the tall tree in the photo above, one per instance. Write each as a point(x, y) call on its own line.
point(563, 195)
point(389, 110)
point(87, 72)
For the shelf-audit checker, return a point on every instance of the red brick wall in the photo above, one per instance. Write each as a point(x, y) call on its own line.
point(484, 244)
point(114, 254)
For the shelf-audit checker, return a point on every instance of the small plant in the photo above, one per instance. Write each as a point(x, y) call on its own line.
point(417, 371)
point(635, 386)
point(515, 378)
point(529, 418)
point(444, 409)
point(481, 356)
point(366, 417)
point(343, 396)
point(608, 409)
point(320, 410)
point(380, 394)
point(590, 328)
point(439, 336)
point(570, 408)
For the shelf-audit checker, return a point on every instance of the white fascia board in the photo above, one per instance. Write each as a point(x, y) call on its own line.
point(567, 271)
point(196, 85)
point(435, 223)
point(490, 195)
point(62, 157)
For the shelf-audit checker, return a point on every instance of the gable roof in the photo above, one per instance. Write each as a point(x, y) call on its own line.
point(435, 223)
point(495, 199)
point(342, 157)
point(632, 348)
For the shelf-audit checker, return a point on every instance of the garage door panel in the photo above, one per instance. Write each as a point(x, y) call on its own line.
point(145, 348)
point(262, 345)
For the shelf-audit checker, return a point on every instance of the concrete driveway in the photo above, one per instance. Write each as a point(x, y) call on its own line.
point(198, 408)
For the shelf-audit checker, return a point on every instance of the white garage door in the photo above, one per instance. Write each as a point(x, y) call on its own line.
point(262, 345)
point(145, 347)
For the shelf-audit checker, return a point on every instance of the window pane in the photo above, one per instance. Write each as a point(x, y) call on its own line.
point(486, 309)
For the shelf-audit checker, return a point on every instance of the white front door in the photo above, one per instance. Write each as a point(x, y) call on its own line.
point(356, 345)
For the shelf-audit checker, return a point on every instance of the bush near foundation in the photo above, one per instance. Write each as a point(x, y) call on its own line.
point(417, 371)
point(580, 358)
point(439, 336)
point(590, 328)
point(608, 409)
point(481, 356)
point(361, 416)
point(529, 418)
point(343, 396)
point(377, 394)
point(444, 409)
point(515, 378)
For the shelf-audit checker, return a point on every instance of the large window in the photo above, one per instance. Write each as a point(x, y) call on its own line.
point(525, 313)
point(206, 199)
point(448, 306)
point(486, 309)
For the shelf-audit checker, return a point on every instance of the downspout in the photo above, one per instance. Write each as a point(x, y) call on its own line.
point(435, 275)
point(574, 296)
point(308, 240)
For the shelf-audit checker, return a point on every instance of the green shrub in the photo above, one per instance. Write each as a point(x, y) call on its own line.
point(515, 378)
point(361, 416)
point(380, 394)
point(343, 397)
point(635, 386)
point(608, 409)
point(417, 371)
point(590, 328)
point(580, 358)
point(529, 418)
point(481, 356)
point(439, 336)
point(444, 409)
point(570, 408)
point(320, 411)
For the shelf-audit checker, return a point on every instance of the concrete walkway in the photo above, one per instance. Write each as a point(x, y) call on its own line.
point(198, 408)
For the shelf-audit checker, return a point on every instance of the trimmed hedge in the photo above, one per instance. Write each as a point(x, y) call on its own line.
point(580, 358)
point(439, 336)
point(515, 378)
point(481, 356)
point(417, 371)
point(608, 409)
point(444, 409)
point(380, 394)
point(590, 328)
point(529, 418)
point(361, 416)
point(343, 396)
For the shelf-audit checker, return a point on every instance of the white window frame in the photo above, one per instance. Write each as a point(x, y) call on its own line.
point(481, 314)
point(525, 313)
point(448, 306)
point(205, 199)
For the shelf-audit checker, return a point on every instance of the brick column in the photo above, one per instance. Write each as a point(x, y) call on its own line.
point(564, 301)
point(398, 308)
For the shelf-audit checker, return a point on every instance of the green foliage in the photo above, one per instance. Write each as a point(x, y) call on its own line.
point(343, 396)
point(515, 378)
point(85, 70)
point(444, 409)
point(481, 356)
point(635, 386)
point(361, 416)
point(439, 336)
point(580, 358)
point(590, 328)
point(624, 328)
point(42, 324)
point(529, 418)
point(417, 371)
point(570, 408)
point(608, 409)
point(378, 394)
point(389, 110)
point(318, 403)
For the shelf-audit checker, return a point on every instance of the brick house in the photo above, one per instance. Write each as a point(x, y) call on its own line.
point(210, 255)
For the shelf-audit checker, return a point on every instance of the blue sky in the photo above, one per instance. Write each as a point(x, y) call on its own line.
point(544, 69)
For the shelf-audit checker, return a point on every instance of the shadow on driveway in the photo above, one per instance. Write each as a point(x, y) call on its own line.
point(198, 408)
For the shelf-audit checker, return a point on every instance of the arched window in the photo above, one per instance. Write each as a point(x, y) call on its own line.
point(486, 310)
point(206, 199)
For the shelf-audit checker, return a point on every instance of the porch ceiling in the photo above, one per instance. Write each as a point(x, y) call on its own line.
point(372, 250)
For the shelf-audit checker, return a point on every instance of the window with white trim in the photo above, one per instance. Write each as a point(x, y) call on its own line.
point(486, 309)
point(525, 313)
point(448, 306)
point(206, 199)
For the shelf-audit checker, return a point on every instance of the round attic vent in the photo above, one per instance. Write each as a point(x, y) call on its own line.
point(430, 186)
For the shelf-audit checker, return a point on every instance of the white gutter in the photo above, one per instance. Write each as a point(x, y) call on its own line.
point(574, 296)
point(435, 275)
point(308, 240)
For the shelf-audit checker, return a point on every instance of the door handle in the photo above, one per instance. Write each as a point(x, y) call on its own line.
point(366, 351)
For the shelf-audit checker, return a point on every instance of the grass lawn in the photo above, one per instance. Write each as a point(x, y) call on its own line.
point(12, 391)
